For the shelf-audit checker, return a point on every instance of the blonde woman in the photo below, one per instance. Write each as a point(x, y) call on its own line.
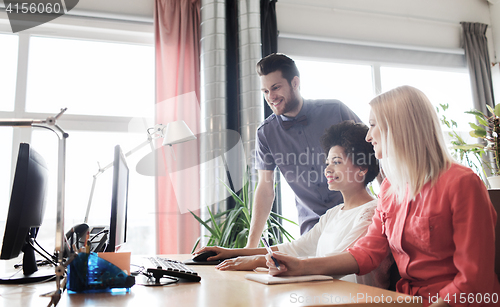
point(433, 214)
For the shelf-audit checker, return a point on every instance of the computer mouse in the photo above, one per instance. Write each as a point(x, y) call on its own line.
point(203, 256)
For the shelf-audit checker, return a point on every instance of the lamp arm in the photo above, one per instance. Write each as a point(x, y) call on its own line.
point(14, 122)
point(22, 122)
point(86, 220)
point(148, 141)
point(151, 137)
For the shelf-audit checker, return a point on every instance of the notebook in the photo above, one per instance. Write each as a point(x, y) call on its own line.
point(274, 280)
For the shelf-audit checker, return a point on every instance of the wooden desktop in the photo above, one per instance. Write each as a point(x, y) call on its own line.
point(216, 288)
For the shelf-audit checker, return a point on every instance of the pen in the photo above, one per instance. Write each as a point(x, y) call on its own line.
point(269, 250)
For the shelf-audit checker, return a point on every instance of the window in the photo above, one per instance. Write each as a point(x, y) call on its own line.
point(106, 85)
point(5, 174)
point(349, 83)
point(353, 84)
point(8, 73)
point(90, 77)
point(441, 87)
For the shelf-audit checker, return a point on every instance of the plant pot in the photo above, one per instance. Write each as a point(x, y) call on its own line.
point(494, 182)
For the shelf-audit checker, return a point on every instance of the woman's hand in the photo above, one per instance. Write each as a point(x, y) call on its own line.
point(289, 266)
point(246, 263)
point(222, 253)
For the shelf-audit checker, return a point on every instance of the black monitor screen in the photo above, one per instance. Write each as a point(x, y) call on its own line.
point(119, 200)
point(26, 209)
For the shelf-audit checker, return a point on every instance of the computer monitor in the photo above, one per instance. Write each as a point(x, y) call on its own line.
point(25, 215)
point(119, 202)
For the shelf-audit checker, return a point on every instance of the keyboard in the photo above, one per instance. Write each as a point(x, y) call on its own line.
point(160, 267)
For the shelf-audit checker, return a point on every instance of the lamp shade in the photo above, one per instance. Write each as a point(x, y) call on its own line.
point(177, 132)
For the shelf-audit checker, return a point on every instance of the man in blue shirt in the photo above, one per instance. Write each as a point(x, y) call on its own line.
point(290, 140)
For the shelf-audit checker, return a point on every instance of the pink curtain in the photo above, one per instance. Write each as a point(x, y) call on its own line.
point(177, 41)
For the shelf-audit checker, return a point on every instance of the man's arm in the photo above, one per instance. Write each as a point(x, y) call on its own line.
point(263, 202)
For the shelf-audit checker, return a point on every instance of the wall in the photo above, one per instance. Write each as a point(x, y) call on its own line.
point(427, 24)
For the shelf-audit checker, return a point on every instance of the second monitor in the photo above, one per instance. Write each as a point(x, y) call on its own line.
point(119, 202)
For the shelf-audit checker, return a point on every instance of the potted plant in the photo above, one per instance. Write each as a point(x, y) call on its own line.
point(469, 155)
point(231, 228)
point(488, 130)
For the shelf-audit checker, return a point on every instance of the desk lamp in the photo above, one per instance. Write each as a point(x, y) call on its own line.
point(174, 133)
point(177, 132)
point(49, 123)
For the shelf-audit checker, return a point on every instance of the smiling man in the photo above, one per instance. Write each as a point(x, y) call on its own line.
point(290, 140)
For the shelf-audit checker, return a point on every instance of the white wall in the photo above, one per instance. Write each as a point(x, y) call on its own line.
point(427, 24)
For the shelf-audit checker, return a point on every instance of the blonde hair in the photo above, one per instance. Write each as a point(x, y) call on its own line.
point(413, 147)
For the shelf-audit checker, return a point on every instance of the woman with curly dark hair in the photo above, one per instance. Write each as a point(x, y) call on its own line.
point(350, 166)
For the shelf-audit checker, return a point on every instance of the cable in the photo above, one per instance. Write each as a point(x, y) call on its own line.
point(100, 232)
point(151, 279)
point(139, 271)
point(51, 255)
point(44, 256)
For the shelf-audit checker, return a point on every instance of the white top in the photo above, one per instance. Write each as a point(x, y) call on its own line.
point(336, 231)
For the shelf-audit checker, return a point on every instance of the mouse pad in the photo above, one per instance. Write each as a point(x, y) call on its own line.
point(213, 262)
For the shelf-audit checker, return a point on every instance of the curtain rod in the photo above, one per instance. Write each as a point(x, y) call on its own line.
point(375, 13)
point(370, 43)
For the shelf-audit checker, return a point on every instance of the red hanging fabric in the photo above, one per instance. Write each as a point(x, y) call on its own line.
point(177, 43)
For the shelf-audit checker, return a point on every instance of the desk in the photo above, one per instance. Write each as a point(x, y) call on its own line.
point(216, 288)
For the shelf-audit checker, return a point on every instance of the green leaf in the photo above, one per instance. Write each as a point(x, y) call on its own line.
point(478, 133)
point(214, 223)
point(274, 214)
point(475, 127)
point(482, 121)
point(233, 194)
point(468, 146)
point(203, 223)
point(497, 110)
point(195, 245)
point(247, 215)
point(226, 236)
point(490, 109)
point(476, 113)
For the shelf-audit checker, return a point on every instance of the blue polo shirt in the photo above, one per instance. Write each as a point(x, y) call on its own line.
point(298, 154)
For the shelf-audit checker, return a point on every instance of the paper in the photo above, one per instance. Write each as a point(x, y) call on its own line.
point(272, 280)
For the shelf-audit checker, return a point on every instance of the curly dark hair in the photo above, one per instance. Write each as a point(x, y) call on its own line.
point(351, 136)
point(278, 61)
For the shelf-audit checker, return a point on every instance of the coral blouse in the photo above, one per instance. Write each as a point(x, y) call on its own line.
point(443, 241)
